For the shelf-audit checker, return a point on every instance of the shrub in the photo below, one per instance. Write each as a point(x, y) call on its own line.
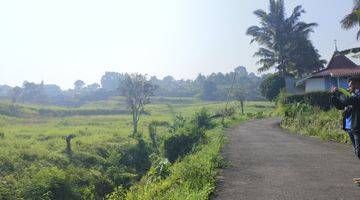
point(6, 165)
point(308, 120)
point(202, 119)
point(179, 145)
point(70, 183)
point(192, 178)
point(319, 99)
point(271, 86)
point(182, 142)
point(88, 160)
point(136, 158)
point(50, 183)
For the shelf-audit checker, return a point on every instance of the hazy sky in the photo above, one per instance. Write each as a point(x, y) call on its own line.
point(62, 41)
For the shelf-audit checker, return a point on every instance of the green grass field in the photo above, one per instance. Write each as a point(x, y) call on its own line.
point(32, 146)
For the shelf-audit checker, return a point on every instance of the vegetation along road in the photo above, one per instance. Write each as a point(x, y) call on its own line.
point(267, 162)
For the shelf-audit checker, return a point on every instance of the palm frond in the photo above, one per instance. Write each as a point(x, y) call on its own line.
point(264, 53)
point(260, 13)
point(351, 20)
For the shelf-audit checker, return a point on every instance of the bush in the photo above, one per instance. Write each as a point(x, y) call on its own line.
point(271, 86)
point(318, 99)
point(192, 178)
point(136, 158)
point(179, 145)
point(50, 183)
point(72, 183)
point(308, 120)
point(202, 119)
point(182, 142)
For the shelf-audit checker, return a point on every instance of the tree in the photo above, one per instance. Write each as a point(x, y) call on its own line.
point(110, 81)
point(92, 87)
point(279, 37)
point(33, 93)
point(79, 85)
point(15, 94)
point(137, 90)
point(352, 19)
point(271, 86)
point(209, 90)
point(306, 59)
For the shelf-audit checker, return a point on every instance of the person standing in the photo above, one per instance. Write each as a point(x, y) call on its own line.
point(351, 107)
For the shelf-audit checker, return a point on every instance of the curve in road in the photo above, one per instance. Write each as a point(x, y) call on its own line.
point(267, 162)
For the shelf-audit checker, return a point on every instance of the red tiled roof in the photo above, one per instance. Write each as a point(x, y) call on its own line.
point(338, 72)
point(340, 61)
point(339, 65)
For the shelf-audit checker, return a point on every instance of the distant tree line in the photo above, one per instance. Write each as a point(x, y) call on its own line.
point(214, 87)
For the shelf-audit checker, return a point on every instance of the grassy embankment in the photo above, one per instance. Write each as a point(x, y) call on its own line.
point(34, 161)
point(312, 121)
point(193, 177)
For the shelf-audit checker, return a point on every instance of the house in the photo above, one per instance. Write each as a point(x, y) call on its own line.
point(341, 67)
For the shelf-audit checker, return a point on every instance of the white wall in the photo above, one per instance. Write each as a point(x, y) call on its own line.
point(315, 84)
point(290, 87)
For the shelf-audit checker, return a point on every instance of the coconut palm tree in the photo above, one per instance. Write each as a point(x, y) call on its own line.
point(280, 37)
point(353, 19)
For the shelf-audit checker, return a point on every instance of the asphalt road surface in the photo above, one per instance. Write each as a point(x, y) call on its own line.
point(266, 162)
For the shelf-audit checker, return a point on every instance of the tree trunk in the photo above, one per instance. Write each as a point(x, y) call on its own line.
point(135, 122)
point(242, 106)
point(68, 144)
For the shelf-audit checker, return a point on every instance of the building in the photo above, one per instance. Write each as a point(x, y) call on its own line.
point(341, 67)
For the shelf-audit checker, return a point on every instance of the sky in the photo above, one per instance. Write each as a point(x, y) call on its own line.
point(59, 42)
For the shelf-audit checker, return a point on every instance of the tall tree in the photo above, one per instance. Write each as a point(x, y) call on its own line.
point(110, 81)
point(33, 93)
point(352, 19)
point(209, 90)
point(79, 85)
point(15, 94)
point(137, 90)
point(279, 37)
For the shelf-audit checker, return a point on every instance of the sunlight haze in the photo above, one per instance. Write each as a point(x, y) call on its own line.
point(62, 41)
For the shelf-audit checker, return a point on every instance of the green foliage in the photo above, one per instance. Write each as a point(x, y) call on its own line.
point(33, 160)
point(209, 91)
point(194, 177)
point(137, 91)
point(181, 143)
point(50, 183)
point(72, 183)
point(313, 121)
point(318, 99)
point(352, 19)
point(284, 41)
point(271, 86)
point(202, 120)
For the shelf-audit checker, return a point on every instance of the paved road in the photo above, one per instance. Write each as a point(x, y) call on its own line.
point(269, 163)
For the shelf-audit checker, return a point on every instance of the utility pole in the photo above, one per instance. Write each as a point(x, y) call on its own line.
point(228, 98)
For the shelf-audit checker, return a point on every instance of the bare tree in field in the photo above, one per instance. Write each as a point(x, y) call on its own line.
point(137, 90)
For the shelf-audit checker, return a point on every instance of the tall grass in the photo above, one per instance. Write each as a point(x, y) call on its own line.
point(312, 121)
point(34, 161)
